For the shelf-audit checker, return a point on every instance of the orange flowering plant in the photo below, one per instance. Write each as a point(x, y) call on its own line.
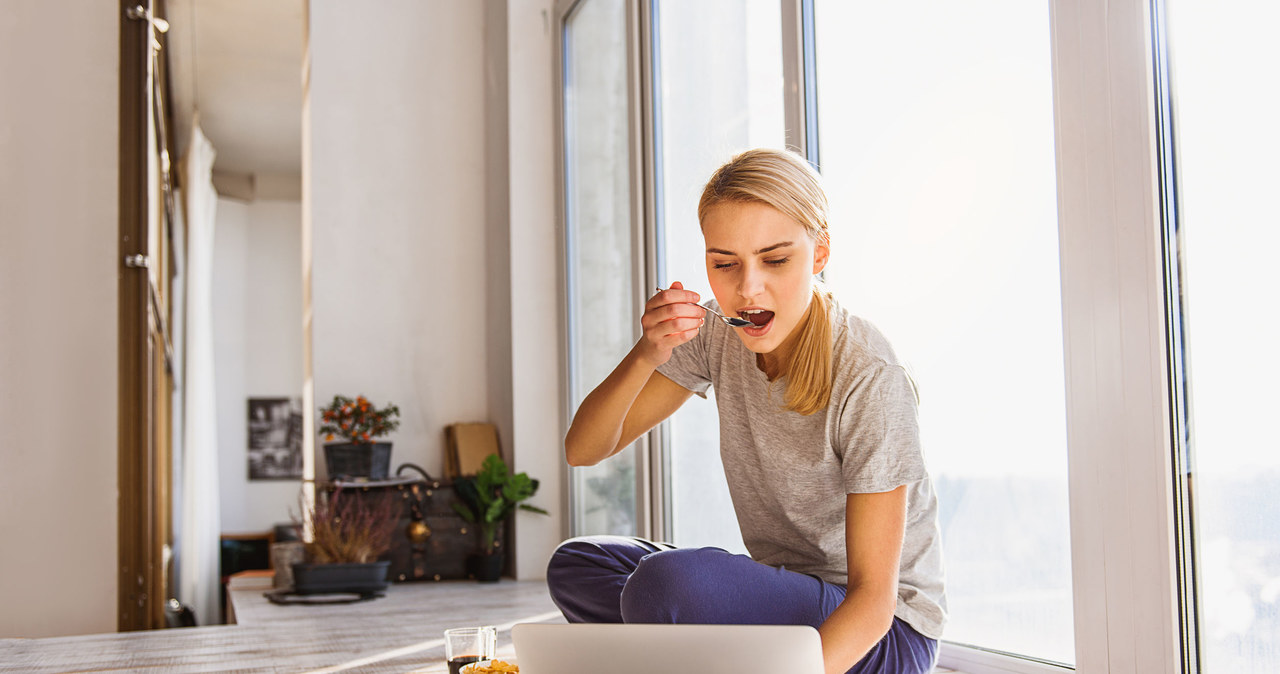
point(357, 421)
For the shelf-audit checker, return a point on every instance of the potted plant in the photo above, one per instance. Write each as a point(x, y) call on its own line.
point(487, 500)
point(348, 533)
point(356, 424)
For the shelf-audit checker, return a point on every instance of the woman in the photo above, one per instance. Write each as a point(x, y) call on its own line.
point(818, 435)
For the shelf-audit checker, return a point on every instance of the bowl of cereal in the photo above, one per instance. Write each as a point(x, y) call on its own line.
point(494, 666)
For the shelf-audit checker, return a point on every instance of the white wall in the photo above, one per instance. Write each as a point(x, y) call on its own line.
point(398, 202)
point(257, 314)
point(59, 134)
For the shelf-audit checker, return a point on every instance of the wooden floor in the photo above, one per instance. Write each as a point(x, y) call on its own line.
point(401, 632)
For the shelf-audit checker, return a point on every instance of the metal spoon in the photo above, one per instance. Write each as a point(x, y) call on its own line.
point(735, 322)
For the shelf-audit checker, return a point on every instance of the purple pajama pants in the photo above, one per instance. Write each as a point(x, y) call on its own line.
point(618, 579)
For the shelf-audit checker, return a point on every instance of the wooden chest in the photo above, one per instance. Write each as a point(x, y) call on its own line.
point(430, 540)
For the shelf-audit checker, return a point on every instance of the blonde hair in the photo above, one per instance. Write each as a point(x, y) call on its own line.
point(787, 182)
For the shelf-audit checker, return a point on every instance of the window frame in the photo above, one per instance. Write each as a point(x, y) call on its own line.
point(1114, 324)
point(1186, 546)
point(800, 78)
point(656, 502)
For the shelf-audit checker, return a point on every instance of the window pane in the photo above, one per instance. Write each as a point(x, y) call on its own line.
point(936, 131)
point(602, 312)
point(1223, 64)
point(719, 92)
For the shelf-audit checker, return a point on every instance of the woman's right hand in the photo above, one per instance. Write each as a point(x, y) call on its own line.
point(671, 318)
point(635, 397)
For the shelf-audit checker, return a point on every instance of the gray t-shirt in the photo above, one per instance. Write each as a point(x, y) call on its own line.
point(789, 473)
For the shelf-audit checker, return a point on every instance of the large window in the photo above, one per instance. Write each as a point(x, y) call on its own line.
point(936, 139)
point(602, 311)
point(1227, 141)
point(1093, 413)
point(719, 83)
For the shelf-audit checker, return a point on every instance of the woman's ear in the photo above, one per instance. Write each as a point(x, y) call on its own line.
point(821, 252)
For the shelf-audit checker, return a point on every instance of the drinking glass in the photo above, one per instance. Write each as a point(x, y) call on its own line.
point(465, 645)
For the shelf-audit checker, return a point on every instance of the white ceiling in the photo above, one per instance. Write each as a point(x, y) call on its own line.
point(239, 64)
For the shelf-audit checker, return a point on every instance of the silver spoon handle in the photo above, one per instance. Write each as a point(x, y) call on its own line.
point(714, 311)
point(696, 304)
point(734, 321)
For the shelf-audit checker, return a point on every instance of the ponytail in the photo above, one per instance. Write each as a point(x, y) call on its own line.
point(809, 368)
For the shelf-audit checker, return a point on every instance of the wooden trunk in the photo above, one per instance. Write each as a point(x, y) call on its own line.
point(439, 555)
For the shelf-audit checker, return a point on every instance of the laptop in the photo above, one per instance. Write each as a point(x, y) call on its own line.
point(666, 649)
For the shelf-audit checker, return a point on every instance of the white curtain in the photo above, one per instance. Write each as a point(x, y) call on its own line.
point(198, 576)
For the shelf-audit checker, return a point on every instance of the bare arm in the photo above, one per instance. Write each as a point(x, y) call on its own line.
point(635, 397)
point(874, 529)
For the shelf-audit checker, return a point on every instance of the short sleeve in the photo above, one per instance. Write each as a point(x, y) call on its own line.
point(690, 364)
point(878, 437)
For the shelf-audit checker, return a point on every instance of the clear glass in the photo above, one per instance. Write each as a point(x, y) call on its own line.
point(720, 91)
point(937, 146)
point(465, 645)
point(603, 315)
point(1223, 64)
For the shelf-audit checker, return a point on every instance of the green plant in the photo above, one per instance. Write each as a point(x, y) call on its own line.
point(348, 528)
point(357, 420)
point(492, 496)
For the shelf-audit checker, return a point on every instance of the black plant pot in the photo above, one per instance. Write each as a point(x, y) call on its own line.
point(364, 578)
point(350, 460)
point(485, 568)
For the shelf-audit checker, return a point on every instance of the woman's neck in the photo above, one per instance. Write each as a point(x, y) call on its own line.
point(769, 365)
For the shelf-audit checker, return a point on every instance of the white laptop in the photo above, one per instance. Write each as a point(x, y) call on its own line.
point(666, 649)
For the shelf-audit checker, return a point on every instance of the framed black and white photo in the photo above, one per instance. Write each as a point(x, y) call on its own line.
point(275, 438)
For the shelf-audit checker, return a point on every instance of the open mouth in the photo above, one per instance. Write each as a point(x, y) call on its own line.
point(758, 317)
